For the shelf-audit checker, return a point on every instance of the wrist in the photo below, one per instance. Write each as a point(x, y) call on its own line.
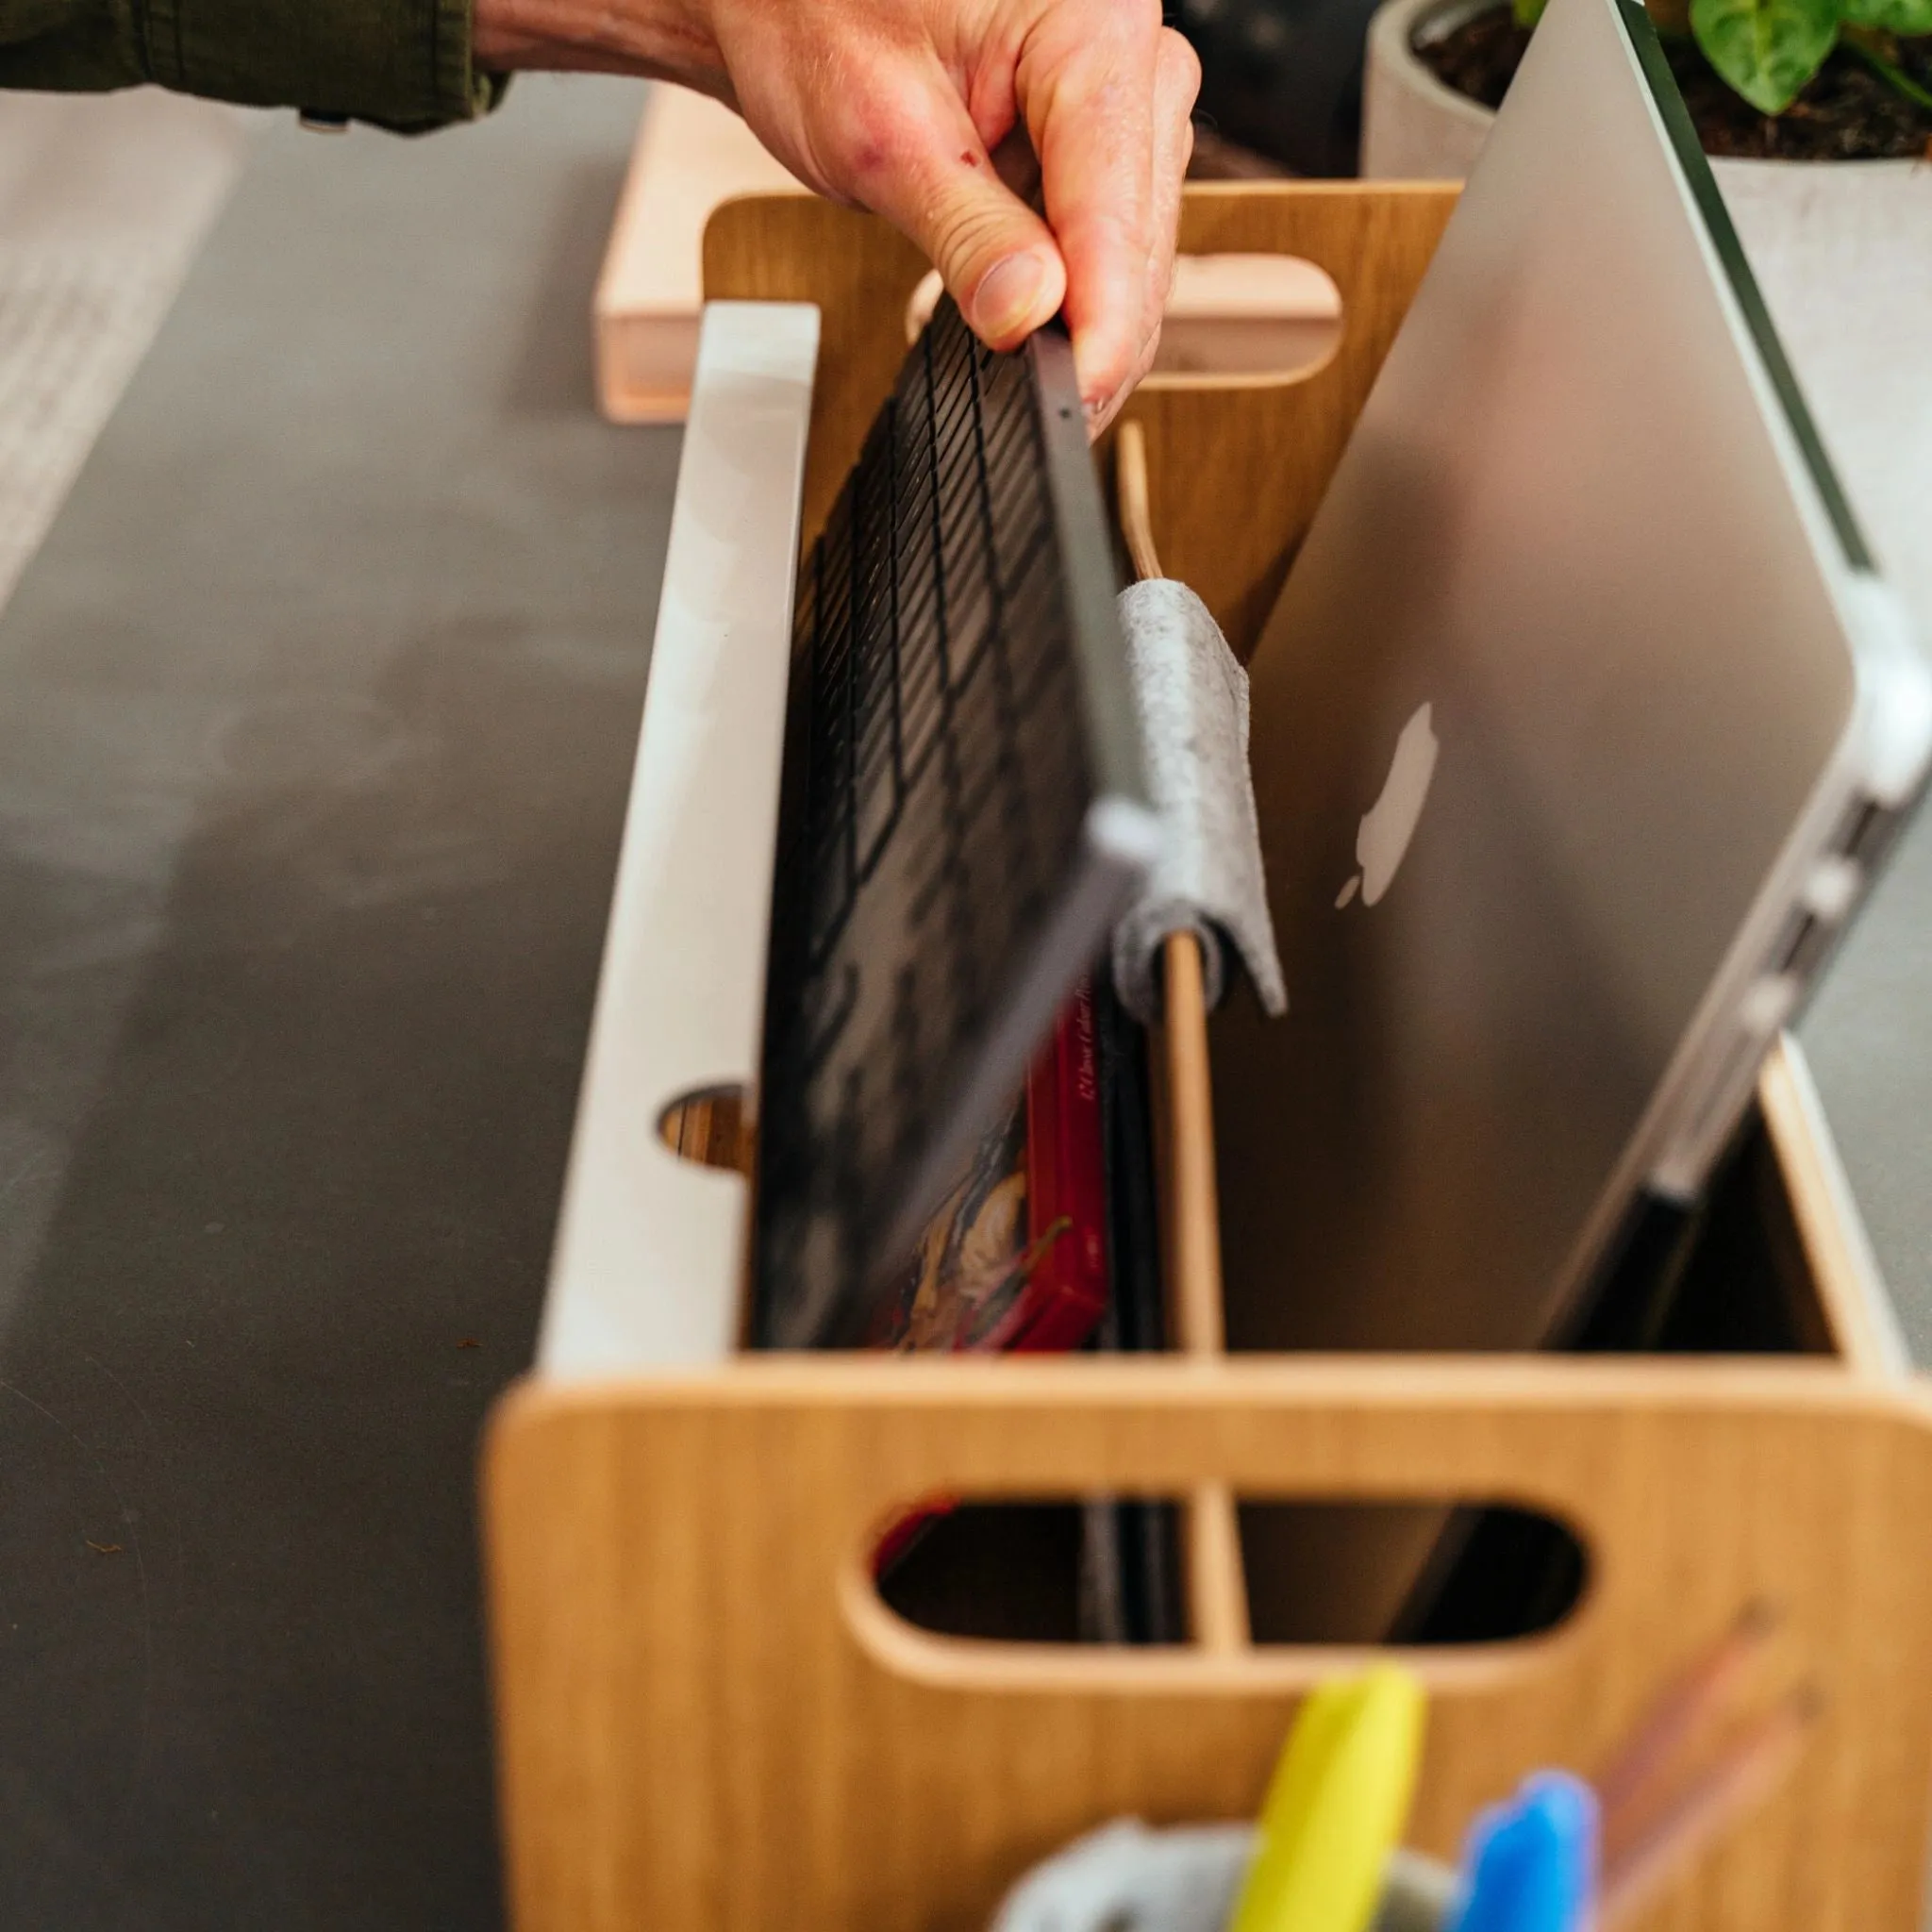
point(667, 39)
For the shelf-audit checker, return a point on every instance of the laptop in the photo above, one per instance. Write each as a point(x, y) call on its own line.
point(1587, 715)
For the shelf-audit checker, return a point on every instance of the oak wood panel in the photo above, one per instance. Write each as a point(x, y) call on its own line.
point(709, 1721)
point(1236, 466)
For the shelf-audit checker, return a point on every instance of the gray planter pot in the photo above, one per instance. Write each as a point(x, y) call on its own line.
point(1413, 127)
point(1416, 129)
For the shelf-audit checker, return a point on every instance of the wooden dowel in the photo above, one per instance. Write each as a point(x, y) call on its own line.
point(710, 1129)
point(1130, 489)
point(1216, 1587)
point(1195, 1222)
point(1210, 1529)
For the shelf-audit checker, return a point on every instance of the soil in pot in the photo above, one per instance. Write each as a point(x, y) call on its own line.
point(1847, 114)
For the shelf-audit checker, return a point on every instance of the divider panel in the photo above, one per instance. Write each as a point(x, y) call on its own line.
point(709, 1720)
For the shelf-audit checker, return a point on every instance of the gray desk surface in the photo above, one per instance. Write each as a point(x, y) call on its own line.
point(316, 719)
point(316, 714)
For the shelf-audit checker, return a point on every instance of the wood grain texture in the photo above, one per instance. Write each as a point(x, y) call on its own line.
point(1235, 466)
point(709, 1721)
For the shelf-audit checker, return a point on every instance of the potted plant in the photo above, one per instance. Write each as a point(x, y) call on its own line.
point(1767, 82)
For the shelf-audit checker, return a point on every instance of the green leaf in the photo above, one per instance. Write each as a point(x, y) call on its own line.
point(1529, 12)
point(1871, 47)
point(1890, 16)
point(1766, 49)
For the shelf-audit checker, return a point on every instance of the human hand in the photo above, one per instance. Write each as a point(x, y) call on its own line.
point(898, 106)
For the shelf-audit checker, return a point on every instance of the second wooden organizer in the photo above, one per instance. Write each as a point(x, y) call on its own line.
point(708, 1719)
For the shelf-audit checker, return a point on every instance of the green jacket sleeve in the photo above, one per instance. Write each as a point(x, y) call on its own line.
point(404, 64)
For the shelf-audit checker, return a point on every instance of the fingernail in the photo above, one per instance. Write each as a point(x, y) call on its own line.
point(1099, 367)
point(1003, 302)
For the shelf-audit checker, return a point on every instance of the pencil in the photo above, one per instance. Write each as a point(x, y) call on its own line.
point(1631, 1782)
point(1743, 1777)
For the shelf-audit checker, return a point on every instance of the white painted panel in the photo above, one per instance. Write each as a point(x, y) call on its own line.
point(650, 1247)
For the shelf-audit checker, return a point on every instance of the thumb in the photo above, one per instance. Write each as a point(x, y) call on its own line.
point(936, 183)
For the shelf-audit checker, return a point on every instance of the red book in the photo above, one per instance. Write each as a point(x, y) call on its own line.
point(1016, 1260)
point(1065, 1294)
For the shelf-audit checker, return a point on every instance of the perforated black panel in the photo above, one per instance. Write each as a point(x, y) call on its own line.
point(946, 745)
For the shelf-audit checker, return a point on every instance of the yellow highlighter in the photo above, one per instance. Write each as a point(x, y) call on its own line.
point(1336, 1807)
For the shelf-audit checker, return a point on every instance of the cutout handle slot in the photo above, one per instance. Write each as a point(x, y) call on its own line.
point(1239, 316)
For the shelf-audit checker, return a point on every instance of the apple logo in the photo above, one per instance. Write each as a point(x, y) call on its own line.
point(1388, 825)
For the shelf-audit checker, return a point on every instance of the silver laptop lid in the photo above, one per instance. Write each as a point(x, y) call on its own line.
point(1584, 612)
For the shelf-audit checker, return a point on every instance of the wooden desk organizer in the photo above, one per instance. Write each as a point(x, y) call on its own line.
point(708, 1718)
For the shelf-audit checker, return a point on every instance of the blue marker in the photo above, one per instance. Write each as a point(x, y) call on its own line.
point(1530, 1864)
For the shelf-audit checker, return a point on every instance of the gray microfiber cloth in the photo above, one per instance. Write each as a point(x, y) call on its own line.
point(1126, 1877)
point(1193, 698)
